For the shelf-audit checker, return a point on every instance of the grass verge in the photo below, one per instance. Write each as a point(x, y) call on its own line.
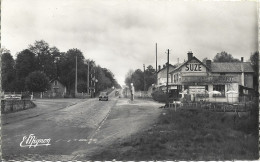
point(190, 135)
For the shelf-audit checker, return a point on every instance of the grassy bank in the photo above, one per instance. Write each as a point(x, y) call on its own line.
point(190, 135)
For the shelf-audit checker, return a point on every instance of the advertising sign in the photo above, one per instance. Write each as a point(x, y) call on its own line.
point(210, 79)
point(197, 89)
point(193, 66)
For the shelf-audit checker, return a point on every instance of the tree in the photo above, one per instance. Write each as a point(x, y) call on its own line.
point(224, 57)
point(254, 59)
point(37, 82)
point(103, 81)
point(8, 72)
point(137, 78)
point(45, 57)
point(205, 60)
point(82, 87)
point(25, 63)
point(150, 76)
point(67, 66)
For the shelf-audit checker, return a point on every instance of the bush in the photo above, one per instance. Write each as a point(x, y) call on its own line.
point(159, 96)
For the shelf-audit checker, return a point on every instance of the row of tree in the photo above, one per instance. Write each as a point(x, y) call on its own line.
point(142, 80)
point(35, 67)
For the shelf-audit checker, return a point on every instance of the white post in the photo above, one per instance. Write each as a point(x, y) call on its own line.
point(32, 96)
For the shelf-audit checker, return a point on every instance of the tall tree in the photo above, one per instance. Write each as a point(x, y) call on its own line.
point(8, 72)
point(25, 64)
point(68, 68)
point(224, 57)
point(45, 57)
point(37, 82)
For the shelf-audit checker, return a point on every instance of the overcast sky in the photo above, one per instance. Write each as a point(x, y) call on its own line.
point(121, 35)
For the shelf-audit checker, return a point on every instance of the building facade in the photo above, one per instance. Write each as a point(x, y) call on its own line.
point(216, 82)
point(57, 89)
point(162, 74)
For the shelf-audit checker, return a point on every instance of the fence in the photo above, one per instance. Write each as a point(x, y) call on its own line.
point(15, 105)
point(38, 95)
point(218, 107)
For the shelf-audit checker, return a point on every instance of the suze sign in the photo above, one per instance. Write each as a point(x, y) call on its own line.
point(193, 67)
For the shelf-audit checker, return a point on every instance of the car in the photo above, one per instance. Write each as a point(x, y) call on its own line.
point(103, 96)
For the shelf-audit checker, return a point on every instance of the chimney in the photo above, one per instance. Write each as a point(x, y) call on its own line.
point(190, 55)
point(159, 67)
point(163, 65)
point(242, 59)
point(208, 63)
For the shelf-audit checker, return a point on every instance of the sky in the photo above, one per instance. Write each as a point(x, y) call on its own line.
point(121, 35)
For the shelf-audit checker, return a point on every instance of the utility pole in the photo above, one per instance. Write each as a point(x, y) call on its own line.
point(76, 78)
point(156, 63)
point(88, 77)
point(144, 77)
point(167, 90)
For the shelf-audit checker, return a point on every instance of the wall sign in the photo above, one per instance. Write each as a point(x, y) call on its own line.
point(193, 67)
point(210, 79)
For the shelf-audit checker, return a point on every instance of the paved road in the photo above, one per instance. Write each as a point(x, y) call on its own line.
point(76, 131)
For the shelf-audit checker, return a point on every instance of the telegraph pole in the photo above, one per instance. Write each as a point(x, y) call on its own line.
point(156, 63)
point(167, 90)
point(76, 78)
point(88, 77)
point(144, 77)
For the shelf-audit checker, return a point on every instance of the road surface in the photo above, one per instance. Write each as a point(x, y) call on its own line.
point(76, 129)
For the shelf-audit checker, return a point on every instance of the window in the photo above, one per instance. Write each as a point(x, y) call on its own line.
point(221, 89)
point(206, 87)
point(55, 82)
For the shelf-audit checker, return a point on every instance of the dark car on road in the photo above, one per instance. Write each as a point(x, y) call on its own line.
point(103, 96)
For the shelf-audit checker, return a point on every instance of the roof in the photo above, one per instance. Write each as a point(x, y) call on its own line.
point(52, 80)
point(166, 67)
point(184, 63)
point(231, 67)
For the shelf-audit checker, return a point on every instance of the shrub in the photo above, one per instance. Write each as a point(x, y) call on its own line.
point(159, 96)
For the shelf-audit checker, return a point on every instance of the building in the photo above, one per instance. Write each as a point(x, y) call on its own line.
point(162, 74)
point(57, 89)
point(218, 82)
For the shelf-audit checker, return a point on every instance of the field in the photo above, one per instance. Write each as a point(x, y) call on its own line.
point(191, 134)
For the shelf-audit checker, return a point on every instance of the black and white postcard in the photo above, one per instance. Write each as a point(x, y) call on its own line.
point(124, 80)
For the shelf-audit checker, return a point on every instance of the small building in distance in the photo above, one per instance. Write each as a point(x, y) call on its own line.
point(57, 89)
